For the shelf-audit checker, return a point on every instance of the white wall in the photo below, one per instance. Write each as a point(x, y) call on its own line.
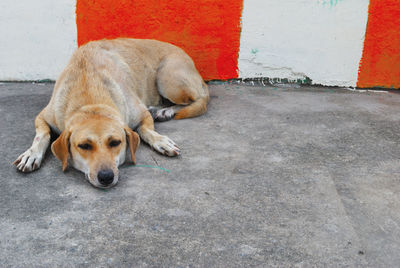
point(321, 39)
point(36, 38)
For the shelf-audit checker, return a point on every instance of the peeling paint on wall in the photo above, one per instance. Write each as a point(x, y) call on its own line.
point(268, 81)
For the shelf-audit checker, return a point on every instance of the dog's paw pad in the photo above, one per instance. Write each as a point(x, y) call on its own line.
point(164, 114)
point(28, 161)
point(166, 146)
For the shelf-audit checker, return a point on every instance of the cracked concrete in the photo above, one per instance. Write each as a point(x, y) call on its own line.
point(270, 176)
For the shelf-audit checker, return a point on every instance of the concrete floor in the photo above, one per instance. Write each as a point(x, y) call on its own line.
point(270, 176)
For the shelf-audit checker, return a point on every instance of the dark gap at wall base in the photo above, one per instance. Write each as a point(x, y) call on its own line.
point(40, 81)
point(264, 81)
point(256, 81)
point(285, 82)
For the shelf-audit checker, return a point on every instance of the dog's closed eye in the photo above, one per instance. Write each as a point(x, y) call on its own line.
point(85, 146)
point(114, 143)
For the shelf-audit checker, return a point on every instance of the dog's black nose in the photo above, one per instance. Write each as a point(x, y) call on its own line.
point(105, 177)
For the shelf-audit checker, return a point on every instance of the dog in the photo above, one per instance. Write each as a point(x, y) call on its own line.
point(108, 88)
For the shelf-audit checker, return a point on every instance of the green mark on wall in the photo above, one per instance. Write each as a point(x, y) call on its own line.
point(330, 3)
point(254, 51)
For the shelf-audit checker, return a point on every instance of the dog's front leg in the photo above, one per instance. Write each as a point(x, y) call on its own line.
point(160, 143)
point(32, 158)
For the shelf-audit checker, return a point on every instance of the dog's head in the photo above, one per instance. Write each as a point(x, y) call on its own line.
point(96, 147)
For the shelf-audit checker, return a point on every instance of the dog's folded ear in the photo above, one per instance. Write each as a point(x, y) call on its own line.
point(133, 141)
point(60, 148)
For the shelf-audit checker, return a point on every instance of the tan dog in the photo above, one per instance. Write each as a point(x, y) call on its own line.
point(105, 90)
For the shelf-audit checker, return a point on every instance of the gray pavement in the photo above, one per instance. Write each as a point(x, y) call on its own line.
point(270, 176)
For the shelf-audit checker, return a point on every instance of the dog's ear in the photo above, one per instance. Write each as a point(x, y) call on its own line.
point(60, 148)
point(133, 141)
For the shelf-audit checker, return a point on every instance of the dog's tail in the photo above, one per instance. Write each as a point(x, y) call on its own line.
point(196, 108)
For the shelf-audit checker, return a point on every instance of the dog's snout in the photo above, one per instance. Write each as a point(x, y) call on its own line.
point(105, 177)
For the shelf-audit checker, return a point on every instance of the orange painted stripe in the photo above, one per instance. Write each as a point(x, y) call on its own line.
point(380, 62)
point(208, 30)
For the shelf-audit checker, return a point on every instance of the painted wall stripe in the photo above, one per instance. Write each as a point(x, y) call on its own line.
point(319, 39)
point(380, 63)
point(209, 31)
point(37, 38)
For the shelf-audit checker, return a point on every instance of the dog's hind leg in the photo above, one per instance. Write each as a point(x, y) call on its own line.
point(179, 82)
point(164, 114)
point(32, 158)
point(160, 143)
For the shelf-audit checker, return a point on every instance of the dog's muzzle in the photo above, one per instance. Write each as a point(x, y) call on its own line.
point(105, 177)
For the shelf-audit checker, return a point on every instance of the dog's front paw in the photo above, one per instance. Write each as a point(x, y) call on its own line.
point(166, 146)
point(28, 161)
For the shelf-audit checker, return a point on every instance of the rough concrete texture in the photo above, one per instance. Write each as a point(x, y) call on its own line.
point(270, 176)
